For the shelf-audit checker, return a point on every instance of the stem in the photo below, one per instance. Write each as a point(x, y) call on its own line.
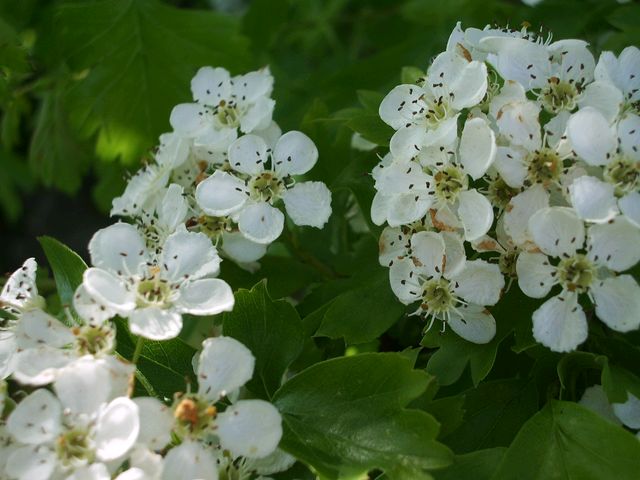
point(134, 360)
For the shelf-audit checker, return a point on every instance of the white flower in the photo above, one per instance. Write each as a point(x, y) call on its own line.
point(152, 294)
point(449, 288)
point(52, 441)
point(624, 73)
point(560, 323)
point(263, 177)
point(224, 104)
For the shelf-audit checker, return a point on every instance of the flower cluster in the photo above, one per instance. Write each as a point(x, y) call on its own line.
point(214, 185)
point(514, 157)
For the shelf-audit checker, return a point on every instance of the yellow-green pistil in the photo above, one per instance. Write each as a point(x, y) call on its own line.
point(576, 274)
point(545, 166)
point(266, 187)
point(450, 182)
point(559, 95)
point(436, 296)
point(624, 173)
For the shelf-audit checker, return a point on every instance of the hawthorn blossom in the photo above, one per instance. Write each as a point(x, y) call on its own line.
point(154, 291)
point(560, 323)
point(260, 178)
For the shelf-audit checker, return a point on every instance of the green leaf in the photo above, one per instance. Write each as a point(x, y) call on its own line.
point(566, 441)
point(617, 381)
point(272, 330)
point(346, 416)
point(494, 412)
point(362, 313)
point(67, 267)
point(573, 364)
point(138, 57)
point(14, 180)
point(478, 465)
point(56, 156)
point(166, 365)
point(370, 100)
point(371, 127)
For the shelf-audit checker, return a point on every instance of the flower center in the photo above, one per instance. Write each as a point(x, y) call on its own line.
point(507, 264)
point(450, 181)
point(437, 297)
point(624, 174)
point(74, 447)
point(576, 273)
point(436, 111)
point(92, 340)
point(213, 227)
point(153, 292)
point(557, 96)
point(227, 114)
point(545, 166)
point(266, 187)
point(194, 416)
point(500, 193)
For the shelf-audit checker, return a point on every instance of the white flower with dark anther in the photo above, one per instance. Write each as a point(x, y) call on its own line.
point(52, 442)
point(154, 291)
point(560, 323)
point(261, 177)
point(558, 73)
point(19, 295)
point(426, 115)
point(448, 287)
point(223, 105)
point(395, 242)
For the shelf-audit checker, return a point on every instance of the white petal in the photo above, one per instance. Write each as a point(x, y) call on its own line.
point(32, 462)
point(210, 85)
point(618, 302)
point(190, 119)
point(615, 244)
point(595, 399)
point(477, 147)
point(393, 244)
point(82, 386)
point(511, 92)
point(90, 309)
point(156, 422)
point(116, 429)
point(221, 194)
point(172, 151)
point(173, 208)
point(628, 67)
point(39, 366)
point(514, 57)
point(455, 254)
point(479, 282)
point(629, 411)
point(108, 290)
point(213, 145)
point(37, 419)
point(190, 460)
point(294, 154)
point(155, 324)
point(593, 199)
point(406, 143)
point(261, 222)
point(407, 208)
point(519, 211)
point(560, 323)
point(630, 207)
point(591, 135)
point(258, 116)
point(250, 428)
point(511, 165)
point(95, 471)
point(403, 178)
point(253, 85)
point(225, 365)
point(189, 255)
point(308, 203)
point(629, 133)
point(476, 324)
point(518, 122)
point(8, 349)
point(141, 191)
point(427, 250)
point(404, 280)
point(557, 231)
point(118, 248)
point(240, 249)
point(397, 108)
point(207, 296)
point(535, 274)
point(380, 208)
point(576, 62)
point(248, 155)
point(476, 214)
point(604, 97)
point(39, 328)
point(470, 85)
